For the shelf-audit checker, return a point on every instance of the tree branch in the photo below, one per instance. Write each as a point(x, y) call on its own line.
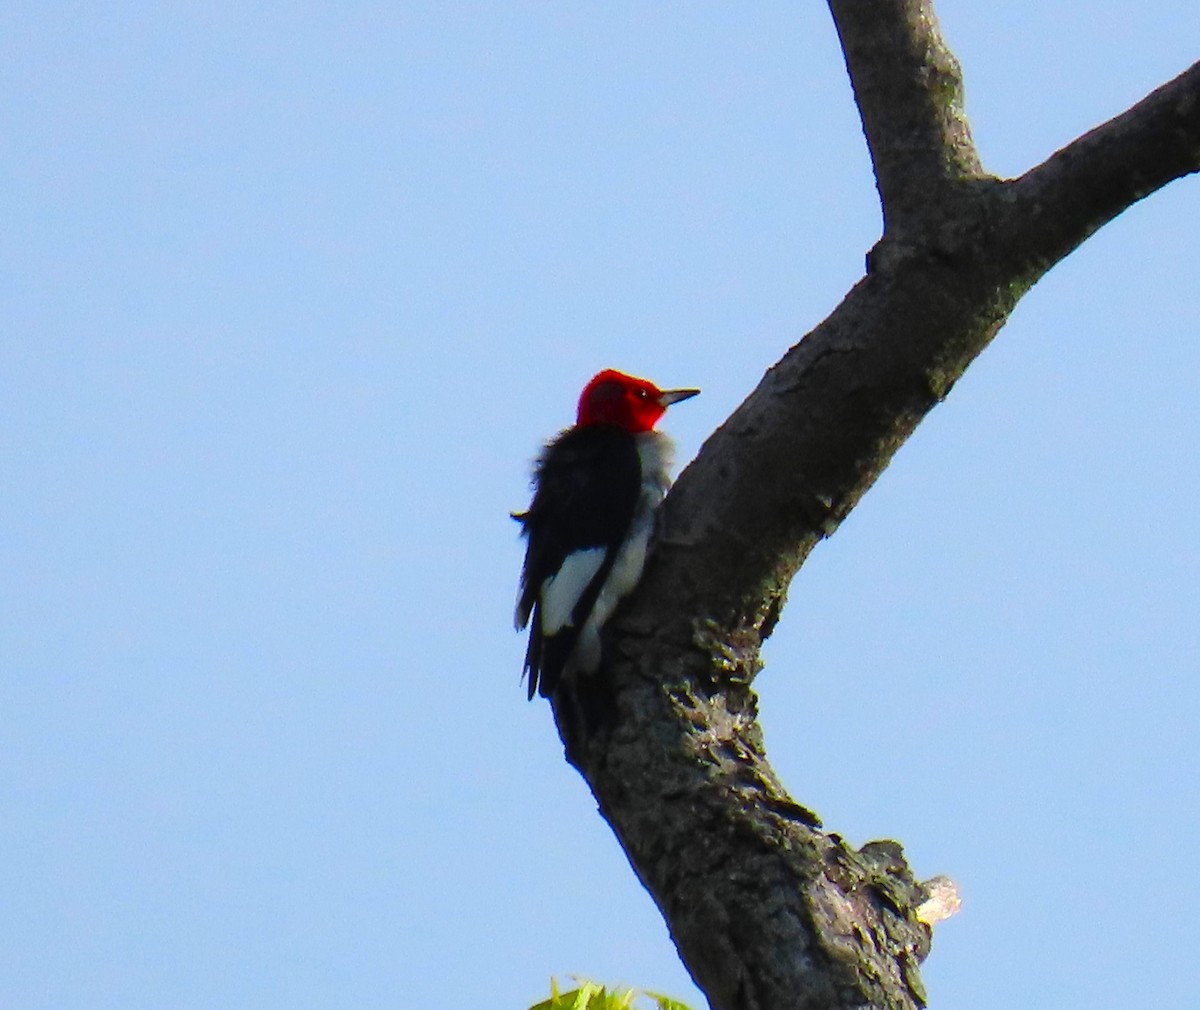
point(909, 91)
point(1058, 204)
point(767, 910)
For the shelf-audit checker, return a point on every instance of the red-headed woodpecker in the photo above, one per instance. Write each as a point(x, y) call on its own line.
point(595, 490)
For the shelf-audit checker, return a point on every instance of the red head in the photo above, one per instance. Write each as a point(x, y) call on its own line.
point(618, 399)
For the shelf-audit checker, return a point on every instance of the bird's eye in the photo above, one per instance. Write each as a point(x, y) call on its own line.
point(642, 394)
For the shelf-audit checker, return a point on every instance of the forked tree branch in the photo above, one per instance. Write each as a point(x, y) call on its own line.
point(769, 911)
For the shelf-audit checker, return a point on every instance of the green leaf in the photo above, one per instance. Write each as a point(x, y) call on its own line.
point(592, 996)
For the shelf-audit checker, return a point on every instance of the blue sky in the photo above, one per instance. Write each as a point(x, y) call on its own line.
point(293, 294)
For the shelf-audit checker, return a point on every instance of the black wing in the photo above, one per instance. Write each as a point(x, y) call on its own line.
point(586, 486)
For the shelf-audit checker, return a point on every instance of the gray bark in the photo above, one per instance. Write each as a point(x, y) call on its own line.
point(766, 908)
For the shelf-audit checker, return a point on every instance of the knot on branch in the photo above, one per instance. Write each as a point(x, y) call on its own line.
point(865, 906)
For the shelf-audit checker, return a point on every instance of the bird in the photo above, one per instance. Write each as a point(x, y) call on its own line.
point(596, 487)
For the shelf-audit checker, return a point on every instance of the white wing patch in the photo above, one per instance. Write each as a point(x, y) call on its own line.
point(562, 590)
point(654, 448)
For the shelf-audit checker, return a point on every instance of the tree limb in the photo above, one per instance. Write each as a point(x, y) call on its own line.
point(1058, 204)
point(909, 91)
point(768, 910)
